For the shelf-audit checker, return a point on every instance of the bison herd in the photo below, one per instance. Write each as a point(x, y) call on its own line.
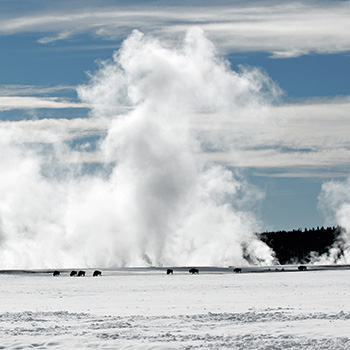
point(79, 273)
point(195, 271)
point(192, 271)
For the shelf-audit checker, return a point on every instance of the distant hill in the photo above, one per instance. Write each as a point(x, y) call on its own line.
point(297, 246)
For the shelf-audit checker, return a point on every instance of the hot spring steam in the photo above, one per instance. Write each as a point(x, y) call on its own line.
point(334, 200)
point(162, 203)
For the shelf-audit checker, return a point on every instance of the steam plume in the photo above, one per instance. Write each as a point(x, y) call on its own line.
point(334, 201)
point(161, 204)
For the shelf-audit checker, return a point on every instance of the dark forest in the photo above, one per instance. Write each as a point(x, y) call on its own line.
point(302, 246)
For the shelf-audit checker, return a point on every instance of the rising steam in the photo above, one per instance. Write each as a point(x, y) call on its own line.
point(161, 203)
point(334, 201)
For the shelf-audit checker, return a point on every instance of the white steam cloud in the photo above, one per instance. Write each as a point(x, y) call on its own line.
point(161, 204)
point(334, 201)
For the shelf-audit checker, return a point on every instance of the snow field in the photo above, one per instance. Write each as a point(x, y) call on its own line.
point(147, 309)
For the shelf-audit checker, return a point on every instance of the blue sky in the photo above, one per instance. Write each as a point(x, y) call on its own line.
point(48, 47)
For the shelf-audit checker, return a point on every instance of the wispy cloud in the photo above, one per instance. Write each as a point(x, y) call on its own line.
point(32, 90)
point(59, 36)
point(300, 140)
point(311, 125)
point(51, 130)
point(307, 139)
point(287, 29)
point(8, 103)
point(291, 162)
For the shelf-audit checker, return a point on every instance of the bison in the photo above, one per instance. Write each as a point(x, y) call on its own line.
point(97, 273)
point(81, 273)
point(56, 273)
point(193, 271)
point(237, 270)
point(169, 271)
point(73, 273)
point(302, 268)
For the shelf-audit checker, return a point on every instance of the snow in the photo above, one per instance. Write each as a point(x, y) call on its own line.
point(146, 309)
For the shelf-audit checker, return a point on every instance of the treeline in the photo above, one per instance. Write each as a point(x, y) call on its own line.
point(300, 246)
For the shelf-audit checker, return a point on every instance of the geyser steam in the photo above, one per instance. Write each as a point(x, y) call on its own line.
point(162, 203)
point(334, 201)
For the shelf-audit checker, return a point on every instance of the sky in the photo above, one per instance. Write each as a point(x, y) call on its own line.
point(285, 137)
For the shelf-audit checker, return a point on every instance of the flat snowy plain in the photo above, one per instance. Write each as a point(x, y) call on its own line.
point(146, 309)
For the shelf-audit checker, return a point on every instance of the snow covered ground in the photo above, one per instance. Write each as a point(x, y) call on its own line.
point(147, 309)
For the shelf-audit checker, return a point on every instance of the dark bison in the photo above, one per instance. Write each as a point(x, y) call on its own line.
point(169, 271)
point(73, 273)
point(81, 274)
point(302, 268)
point(56, 273)
point(237, 270)
point(193, 271)
point(97, 273)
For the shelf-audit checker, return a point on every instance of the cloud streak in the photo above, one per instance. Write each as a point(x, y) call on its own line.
point(288, 29)
point(30, 90)
point(8, 103)
point(309, 139)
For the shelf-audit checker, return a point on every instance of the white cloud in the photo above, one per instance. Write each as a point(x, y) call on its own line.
point(30, 90)
point(50, 130)
point(8, 103)
point(59, 36)
point(308, 140)
point(286, 29)
point(302, 139)
point(285, 161)
point(315, 125)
